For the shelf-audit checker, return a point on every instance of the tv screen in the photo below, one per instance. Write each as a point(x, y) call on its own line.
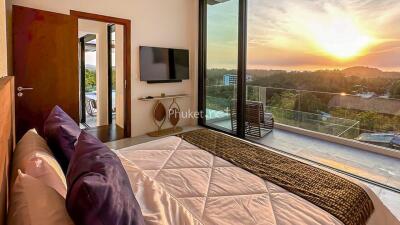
point(163, 64)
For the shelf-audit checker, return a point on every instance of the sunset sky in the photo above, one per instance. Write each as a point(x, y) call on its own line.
point(308, 34)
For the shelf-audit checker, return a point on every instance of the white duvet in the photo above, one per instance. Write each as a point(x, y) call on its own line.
point(178, 183)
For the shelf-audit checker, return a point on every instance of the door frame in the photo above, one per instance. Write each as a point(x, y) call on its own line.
point(82, 46)
point(82, 80)
point(127, 59)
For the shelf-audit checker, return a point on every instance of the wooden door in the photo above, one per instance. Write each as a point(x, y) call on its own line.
point(45, 52)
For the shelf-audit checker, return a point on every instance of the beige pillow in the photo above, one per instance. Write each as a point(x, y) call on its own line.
point(30, 142)
point(34, 203)
point(33, 157)
point(45, 168)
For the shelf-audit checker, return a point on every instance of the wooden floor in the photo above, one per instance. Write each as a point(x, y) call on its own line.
point(107, 133)
point(127, 142)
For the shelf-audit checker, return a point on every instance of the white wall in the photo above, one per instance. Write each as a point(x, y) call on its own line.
point(119, 75)
point(162, 23)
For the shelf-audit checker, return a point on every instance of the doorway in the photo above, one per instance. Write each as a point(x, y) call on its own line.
point(88, 104)
point(104, 78)
point(46, 72)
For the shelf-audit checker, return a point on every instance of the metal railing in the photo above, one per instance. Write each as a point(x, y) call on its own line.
point(337, 114)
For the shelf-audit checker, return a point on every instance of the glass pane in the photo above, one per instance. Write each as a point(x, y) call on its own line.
point(91, 82)
point(329, 67)
point(222, 58)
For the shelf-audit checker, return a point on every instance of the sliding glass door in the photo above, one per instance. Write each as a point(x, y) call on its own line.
point(302, 66)
point(221, 64)
point(324, 68)
point(311, 78)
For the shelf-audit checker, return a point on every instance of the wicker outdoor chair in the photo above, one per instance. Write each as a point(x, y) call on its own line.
point(91, 107)
point(257, 122)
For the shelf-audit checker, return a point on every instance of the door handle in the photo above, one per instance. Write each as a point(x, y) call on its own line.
point(21, 89)
point(24, 89)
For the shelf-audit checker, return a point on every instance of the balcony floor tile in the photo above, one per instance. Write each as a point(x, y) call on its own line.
point(363, 163)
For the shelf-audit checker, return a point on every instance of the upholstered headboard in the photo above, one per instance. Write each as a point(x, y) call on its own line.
point(6, 142)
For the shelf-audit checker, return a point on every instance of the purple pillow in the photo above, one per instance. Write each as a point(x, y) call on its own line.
point(61, 133)
point(99, 192)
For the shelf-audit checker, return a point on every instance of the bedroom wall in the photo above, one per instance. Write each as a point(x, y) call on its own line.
point(119, 75)
point(161, 23)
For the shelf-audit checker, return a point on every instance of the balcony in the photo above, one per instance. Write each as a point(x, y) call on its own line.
point(323, 137)
point(359, 117)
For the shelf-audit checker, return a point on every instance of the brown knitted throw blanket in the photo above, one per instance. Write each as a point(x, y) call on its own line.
point(338, 196)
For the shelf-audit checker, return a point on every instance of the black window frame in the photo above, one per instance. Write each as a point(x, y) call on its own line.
point(241, 67)
point(82, 44)
point(110, 30)
point(241, 88)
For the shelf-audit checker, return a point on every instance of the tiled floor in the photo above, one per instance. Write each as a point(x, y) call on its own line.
point(370, 165)
point(373, 166)
point(91, 121)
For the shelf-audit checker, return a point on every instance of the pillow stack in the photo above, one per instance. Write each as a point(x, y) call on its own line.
point(96, 190)
point(38, 185)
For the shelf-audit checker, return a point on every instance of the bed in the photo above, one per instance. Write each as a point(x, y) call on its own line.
point(176, 182)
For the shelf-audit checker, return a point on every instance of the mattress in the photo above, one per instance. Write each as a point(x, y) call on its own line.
point(178, 183)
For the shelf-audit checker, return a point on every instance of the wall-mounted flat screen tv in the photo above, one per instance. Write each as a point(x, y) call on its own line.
point(163, 65)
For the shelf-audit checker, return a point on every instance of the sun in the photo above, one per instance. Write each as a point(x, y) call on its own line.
point(340, 37)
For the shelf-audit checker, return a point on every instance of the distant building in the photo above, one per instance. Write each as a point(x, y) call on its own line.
point(231, 79)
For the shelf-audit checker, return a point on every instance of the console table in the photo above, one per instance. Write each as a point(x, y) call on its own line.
point(161, 115)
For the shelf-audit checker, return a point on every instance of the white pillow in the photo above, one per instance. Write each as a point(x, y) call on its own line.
point(35, 203)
